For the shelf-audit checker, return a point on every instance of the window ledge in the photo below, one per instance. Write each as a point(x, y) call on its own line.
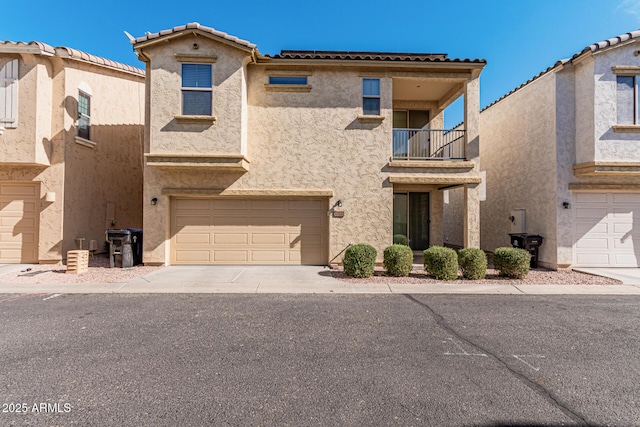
point(370, 119)
point(85, 142)
point(287, 88)
point(626, 128)
point(196, 119)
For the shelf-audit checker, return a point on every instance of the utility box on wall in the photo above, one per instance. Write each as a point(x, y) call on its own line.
point(518, 221)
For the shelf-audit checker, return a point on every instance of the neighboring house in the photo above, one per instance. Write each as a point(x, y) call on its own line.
point(286, 159)
point(71, 133)
point(565, 148)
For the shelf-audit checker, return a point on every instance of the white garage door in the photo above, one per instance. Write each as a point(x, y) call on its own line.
point(249, 231)
point(606, 230)
point(19, 222)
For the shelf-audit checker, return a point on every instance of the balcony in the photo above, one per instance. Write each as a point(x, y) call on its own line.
point(428, 144)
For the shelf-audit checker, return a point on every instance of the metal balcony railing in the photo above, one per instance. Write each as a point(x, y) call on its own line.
point(428, 144)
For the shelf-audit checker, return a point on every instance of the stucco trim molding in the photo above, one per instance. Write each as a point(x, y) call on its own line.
point(625, 70)
point(607, 168)
point(287, 88)
point(84, 142)
point(198, 162)
point(201, 59)
point(434, 179)
point(273, 192)
point(370, 119)
point(186, 120)
point(635, 188)
point(626, 128)
point(432, 164)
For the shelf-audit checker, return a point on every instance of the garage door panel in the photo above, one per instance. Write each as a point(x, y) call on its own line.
point(622, 228)
point(27, 190)
point(266, 232)
point(599, 228)
point(191, 220)
point(591, 198)
point(230, 238)
point(623, 213)
point(19, 216)
point(192, 204)
point(627, 259)
point(590, 212)
point(268, 238)
point(595, 259)
point(193, 256)
point(626, 198)
point(231, 256)
point(193, 239)
point(593, 243)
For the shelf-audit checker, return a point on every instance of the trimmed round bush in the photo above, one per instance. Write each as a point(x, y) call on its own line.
point(359, 260)
point(398, 260)
point(400, 239)
point(441, 263)
point(473, 263)
point(512, 262)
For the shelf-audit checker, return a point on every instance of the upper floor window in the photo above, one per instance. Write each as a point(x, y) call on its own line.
point(371, 97)
point(197, 89)
point(627, 99)
point(287, 80)
point(9, 94)
point(84, 115)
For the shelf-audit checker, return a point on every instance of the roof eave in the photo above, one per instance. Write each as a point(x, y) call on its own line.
point(476, 64)
point(137, 45)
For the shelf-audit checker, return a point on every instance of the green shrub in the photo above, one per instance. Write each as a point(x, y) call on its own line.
point(441, 263)
point(398, 260)
point(400, 239)
point(359, 260)
point(512, 262)
point(473, 263)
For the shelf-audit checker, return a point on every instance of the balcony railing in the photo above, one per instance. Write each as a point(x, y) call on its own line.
point(428, 144)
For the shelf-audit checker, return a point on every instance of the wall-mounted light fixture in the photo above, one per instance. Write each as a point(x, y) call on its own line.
point(50, 197)
point(339, 203)
point(566, 205)
point(154, 201)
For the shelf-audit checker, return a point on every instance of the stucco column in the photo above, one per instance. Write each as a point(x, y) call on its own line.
point(471, 216)
point(436, 229)
point(471, 193)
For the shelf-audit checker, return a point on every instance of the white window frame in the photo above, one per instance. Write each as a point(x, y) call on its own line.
point(195, 89)
point(84, 94)
point(378, 97)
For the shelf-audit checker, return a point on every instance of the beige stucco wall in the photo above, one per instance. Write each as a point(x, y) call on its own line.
point(518, 155)
point(168, 136)
point(42, 149)
point(111, 171)
point(584, 92)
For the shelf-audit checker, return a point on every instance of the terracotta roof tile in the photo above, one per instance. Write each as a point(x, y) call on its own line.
point(194, 26)
point(369, 56)
point(36, 47)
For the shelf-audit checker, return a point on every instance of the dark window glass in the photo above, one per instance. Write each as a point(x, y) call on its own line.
point(196, 75)
point(626, 102)
point(287, 80)
point(84, 115)
point(196, 103)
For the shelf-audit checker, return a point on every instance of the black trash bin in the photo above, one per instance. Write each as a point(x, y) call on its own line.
point(120, 252)
point(136, 244)
point(529, 242)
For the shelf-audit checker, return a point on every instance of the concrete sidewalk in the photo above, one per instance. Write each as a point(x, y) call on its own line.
point(296, 280)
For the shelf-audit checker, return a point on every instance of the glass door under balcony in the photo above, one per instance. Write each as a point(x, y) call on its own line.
point(409, 139)
point(411, 218)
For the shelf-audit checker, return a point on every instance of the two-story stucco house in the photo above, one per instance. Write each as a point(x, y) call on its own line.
point(71, 134)
point(286, 159)
point(565, 148)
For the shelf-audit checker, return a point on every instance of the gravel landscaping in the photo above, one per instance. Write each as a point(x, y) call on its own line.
point(99, 272)
point(537, 276)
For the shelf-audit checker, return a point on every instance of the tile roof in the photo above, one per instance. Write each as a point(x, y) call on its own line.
point(194, 26)
point(369, 56)
point(40, 48)
point(591, 48)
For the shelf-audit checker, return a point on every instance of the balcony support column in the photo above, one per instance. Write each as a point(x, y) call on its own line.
point(472, 119)
point(471, 216)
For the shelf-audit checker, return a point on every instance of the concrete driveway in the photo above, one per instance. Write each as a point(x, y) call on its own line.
point(628, 276)
point(240, 278)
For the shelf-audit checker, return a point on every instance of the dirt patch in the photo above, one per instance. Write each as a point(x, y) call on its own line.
point(99, 272)
point(537, 276)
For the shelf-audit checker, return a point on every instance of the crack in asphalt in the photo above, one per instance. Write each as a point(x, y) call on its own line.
point(536, 387)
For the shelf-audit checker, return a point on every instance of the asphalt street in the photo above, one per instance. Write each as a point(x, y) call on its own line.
point(303, 360)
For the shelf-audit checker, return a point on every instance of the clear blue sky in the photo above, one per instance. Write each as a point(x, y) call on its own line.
point(518, 38)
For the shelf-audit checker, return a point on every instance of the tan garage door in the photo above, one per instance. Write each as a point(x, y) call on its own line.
point(19, 222)
point(249, 231)
point(606, 230)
